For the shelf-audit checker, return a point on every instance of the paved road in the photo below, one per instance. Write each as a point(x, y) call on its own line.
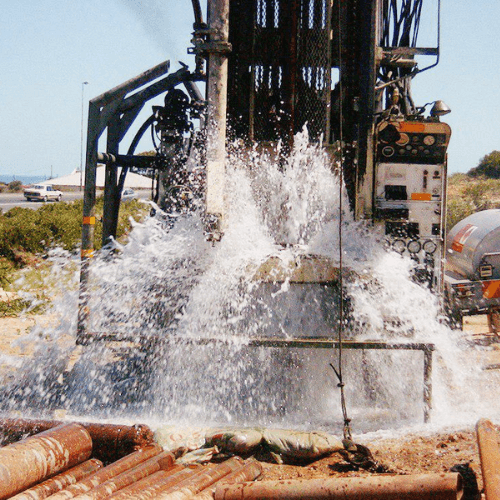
point(11, 200)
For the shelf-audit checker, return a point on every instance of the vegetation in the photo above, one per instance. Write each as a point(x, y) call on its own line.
point(488, 167)
point(15, 186)
point(26, 235)
point(478, 189)
point(467, 195)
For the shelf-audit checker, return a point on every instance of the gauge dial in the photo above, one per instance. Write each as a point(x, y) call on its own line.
point(403, 139)
point(429, 140)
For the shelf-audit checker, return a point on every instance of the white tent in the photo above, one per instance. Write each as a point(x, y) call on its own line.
point(72, 180)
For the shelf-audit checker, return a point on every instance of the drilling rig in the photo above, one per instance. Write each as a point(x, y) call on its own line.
point(343, 69)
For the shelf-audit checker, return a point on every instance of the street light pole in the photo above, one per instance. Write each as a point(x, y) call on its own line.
point(81, 141)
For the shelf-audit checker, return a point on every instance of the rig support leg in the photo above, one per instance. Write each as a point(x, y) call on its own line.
point(218, 49)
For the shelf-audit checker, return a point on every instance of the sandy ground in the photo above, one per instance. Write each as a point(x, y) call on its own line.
point(411, 454)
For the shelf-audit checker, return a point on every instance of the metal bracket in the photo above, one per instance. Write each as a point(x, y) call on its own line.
point(212, 47)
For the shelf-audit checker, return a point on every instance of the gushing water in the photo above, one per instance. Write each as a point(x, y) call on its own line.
point(189, 308)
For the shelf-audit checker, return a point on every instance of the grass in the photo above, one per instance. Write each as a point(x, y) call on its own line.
point(26, 237)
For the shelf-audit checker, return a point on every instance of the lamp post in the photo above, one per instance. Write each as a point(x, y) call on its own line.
point(81, 140)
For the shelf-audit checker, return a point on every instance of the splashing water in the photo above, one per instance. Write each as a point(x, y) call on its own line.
point(188, 309)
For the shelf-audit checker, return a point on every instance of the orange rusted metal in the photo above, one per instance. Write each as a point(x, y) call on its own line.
point(59, 482)
point(163, 461)
point(251, 470)
point(446, 486)
point(108, 472)
point(489, 453)
point(27, 462)
point(111, 442)
point(203, 479)
point(151, 486)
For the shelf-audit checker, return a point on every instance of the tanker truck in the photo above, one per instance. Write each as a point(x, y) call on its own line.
point(472, 276)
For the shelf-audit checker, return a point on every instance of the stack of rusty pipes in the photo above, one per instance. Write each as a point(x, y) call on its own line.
point(57, 464)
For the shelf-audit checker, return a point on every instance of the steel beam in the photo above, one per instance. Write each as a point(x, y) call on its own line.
point(218, 22)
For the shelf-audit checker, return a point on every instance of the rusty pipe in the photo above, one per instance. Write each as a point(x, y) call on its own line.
point(446, 486)
point(111, 442)
point(151, 486)
point(163, 461)
point(487, 440)
point(36, 458)
point(251, 470)
point(203, 479)
point(108, 472)
point(59, 482)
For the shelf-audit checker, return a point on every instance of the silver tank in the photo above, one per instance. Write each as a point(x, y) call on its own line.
point(474, 244)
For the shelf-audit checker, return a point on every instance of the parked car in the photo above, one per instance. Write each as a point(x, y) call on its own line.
point(42, 192)
point(129, 194)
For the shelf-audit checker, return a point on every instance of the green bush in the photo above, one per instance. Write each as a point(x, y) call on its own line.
point(15, 186)
point(467, 196)
point(25, 232)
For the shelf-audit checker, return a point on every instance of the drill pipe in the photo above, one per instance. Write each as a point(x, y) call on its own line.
point(36, 458)
point(150, 486)
point(444, 486)
point(111, 442)
point(203, 479)
point(59, 482)
point(108, 472)
point(163, 461)
point(250, 470)
point(487, 440)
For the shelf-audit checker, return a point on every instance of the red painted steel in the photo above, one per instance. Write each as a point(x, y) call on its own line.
point(59, 482)
point(27, 462)
point(446, 486)
point(487, 439)
point(108, 472)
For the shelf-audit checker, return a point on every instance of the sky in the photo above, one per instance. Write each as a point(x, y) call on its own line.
point(50, 47)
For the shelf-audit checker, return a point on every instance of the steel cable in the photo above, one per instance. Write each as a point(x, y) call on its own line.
point(338, 371)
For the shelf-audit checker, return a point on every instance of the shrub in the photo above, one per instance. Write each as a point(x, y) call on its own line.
point(25, 232)
point(15, 186)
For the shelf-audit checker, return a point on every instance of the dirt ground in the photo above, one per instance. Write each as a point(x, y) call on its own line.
point(411, 454)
